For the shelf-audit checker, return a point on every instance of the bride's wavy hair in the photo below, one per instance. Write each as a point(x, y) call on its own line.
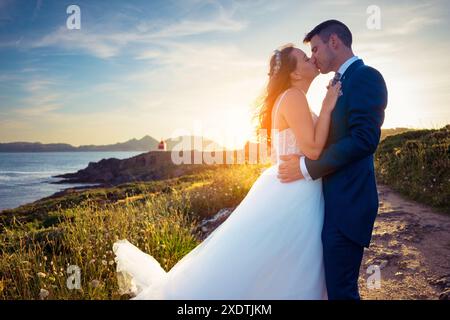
point(282, 63)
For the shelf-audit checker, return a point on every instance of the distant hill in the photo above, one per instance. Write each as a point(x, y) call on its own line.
point(390, 132)
point(147, 143)
point(35, 147)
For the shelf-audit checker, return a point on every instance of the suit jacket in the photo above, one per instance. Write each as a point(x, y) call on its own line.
point(346, 164)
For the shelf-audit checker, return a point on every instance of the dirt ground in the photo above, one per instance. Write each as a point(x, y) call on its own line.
point(411, 247)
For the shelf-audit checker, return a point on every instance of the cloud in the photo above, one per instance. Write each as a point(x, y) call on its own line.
point(11, 43)
point(106, 42)
point(195, 81)
point(188, 81)
point(413, 25)
point(37, 85)
point(38, 110)
point(42, 98)
point(8, 77)
point(148, 54)
point(406, 19)
point(205, 57)
point(337, 3)
point(95, 44)
point(190, 27)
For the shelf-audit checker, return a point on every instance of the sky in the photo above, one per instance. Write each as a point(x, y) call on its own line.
point(168, 68)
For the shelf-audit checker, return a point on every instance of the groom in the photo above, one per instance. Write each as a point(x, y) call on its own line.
point(346, 164)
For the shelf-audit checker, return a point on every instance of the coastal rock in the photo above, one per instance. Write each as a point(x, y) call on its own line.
point(154, 165)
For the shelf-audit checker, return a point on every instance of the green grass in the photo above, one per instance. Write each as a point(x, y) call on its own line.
point(38, 242)
point(417, 164)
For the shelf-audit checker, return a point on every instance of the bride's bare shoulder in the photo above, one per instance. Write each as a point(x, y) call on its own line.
point(293, 98)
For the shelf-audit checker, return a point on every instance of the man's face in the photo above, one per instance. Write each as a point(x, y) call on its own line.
point(321, 54)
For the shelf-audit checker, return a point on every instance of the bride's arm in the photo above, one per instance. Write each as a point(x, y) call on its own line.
point(295, 111)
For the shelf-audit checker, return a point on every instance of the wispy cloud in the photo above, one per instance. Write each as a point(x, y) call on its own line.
point(11, 43)
point(42, 97)
point(189, 27)
point(413, 25)
point(37, 85)
point(40, 109)
point(148, 54)
point(8, 77)
point(405, 19)
point(108, 42)
point(99, 45)
point(205, 57)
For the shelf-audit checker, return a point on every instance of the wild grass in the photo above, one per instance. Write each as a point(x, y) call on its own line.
point(160, 218)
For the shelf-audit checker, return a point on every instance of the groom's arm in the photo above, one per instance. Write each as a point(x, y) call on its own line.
point(366, 104)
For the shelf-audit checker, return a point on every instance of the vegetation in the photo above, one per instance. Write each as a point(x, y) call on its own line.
point(39, 242)
point(417, 164)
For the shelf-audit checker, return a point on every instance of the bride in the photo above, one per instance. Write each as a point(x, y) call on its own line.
point(270, 247)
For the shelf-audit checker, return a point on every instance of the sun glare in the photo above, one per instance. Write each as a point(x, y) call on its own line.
point(234, 128)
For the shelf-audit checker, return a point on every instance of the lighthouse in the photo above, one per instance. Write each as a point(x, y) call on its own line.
point(162, 145)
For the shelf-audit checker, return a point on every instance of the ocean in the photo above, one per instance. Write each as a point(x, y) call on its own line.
point(25, 176)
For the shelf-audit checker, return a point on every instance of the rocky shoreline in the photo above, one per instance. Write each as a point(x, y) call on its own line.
point(112, 171)
point(153, 165)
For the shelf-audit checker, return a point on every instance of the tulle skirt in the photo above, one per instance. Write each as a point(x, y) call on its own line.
point(269, 248)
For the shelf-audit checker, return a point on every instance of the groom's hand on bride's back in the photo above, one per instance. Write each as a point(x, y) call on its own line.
point(289, 169)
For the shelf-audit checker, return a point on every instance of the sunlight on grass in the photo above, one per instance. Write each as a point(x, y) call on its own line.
point(159, 218)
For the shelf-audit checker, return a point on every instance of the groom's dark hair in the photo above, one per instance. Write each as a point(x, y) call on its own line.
point(329, 27)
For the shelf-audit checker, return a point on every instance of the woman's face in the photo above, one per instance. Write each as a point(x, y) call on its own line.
point(306, 69)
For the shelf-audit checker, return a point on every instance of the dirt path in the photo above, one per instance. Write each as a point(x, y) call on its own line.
point(411, 246)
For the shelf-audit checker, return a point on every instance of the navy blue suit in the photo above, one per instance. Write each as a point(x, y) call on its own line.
point(347, 171)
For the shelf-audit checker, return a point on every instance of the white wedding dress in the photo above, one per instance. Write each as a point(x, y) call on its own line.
point(270, 247)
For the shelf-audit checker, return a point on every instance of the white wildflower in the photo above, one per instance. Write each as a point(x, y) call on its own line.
point(43, 294)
